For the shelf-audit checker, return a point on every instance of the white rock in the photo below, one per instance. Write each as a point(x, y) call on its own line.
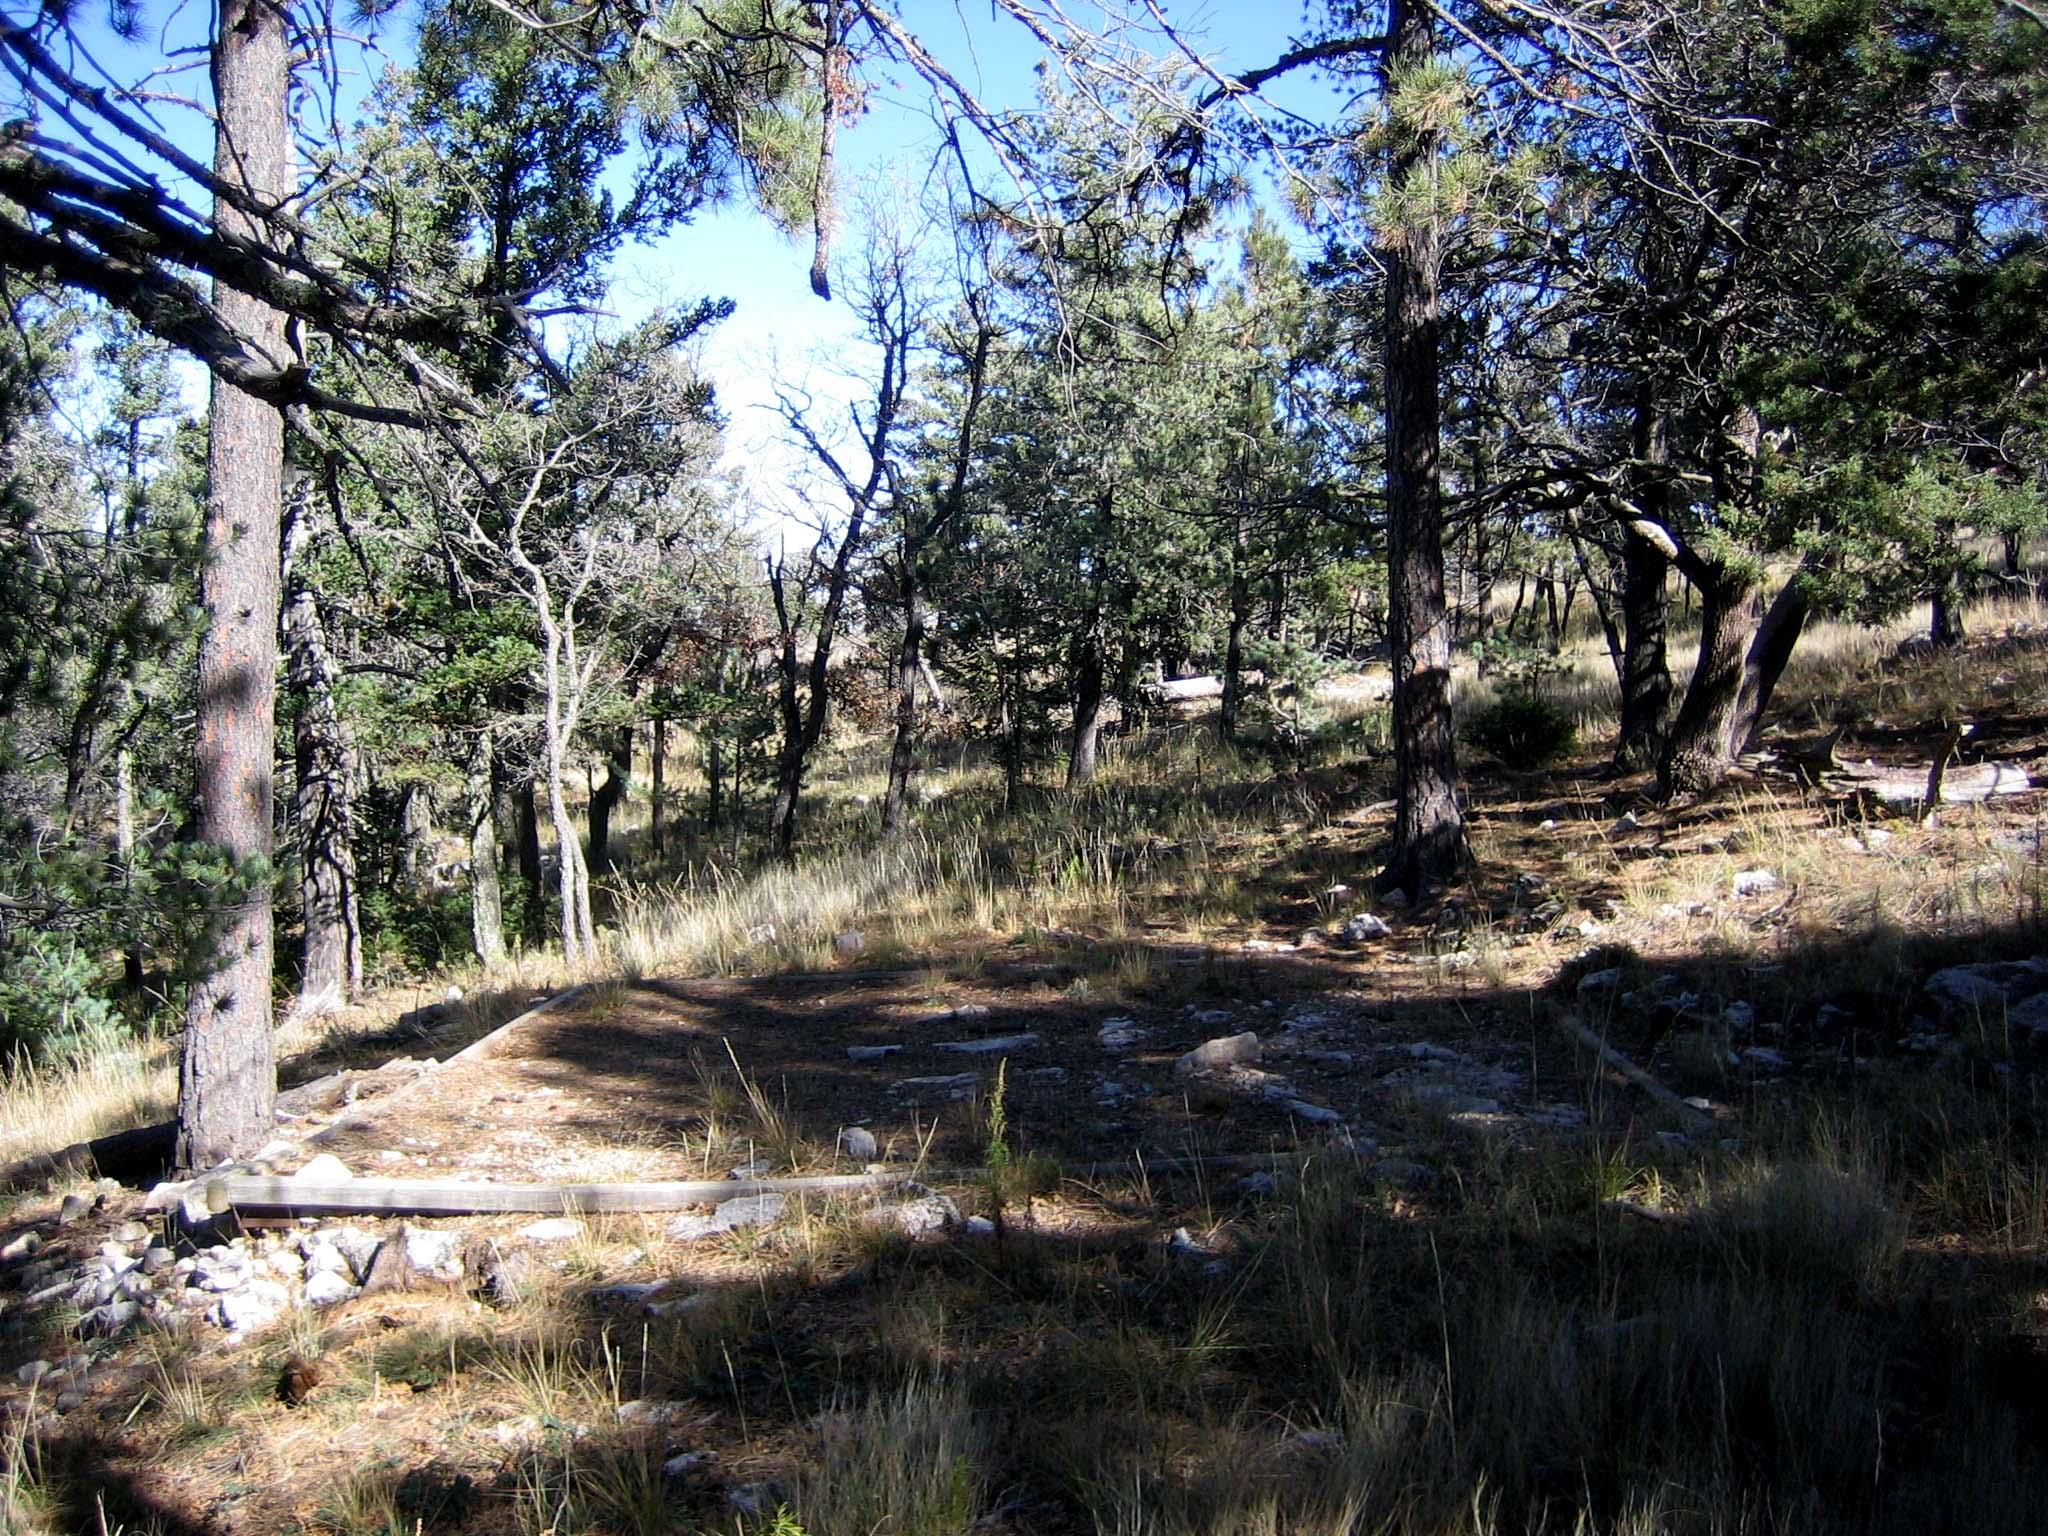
point(1223, 1052)
point(1755, 882)
point(239, 1311)
point(433, 1253)
point(552, 1229)
point(918, 1218)
point(326, 1287)
point(848, 943)
point(1315, 1114)
point(325, 1169)
point(1364, 926)
point(1594, 983)
point(678, 1467)
point(20, 1247)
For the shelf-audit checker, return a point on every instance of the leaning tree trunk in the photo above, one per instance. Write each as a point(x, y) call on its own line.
point(227, 1084)
point(1700, 749)
point(618, 777)
point(1429, 826)
point(323, 809)
point(1769, 652)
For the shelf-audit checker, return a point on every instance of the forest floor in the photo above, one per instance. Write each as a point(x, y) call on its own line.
point(1424, 1263)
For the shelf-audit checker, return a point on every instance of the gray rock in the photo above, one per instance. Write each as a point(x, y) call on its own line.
point(72, 1208)
point(922, 1217)
point(130, 1232)
point(1365, 926)
point(632, 1293)
point(1223, 1052)
point(434, 1253)
point(871, 1052)
point(848, 943)
point(1756, 882)
point(732, 1216)
point(957, 1083)
point(994, 1045)
point(1600, 983)
point(105, 1321)
point(1118, 1034)
point(20, 1247)
point(34, 1371)
point(1315, 1114)
point(1990, 984)
point(257, 1305)
point(676, 1468)
point(858, 1143)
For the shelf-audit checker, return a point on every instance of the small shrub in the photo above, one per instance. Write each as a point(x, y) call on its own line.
point(1523, 729)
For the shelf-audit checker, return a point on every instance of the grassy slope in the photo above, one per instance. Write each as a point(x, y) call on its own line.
point(1831, 1319)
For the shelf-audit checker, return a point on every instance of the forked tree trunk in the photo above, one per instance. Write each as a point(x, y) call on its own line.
point(1429, 826)
point(227, 1083)
point(323, 809)
point(1700, 750)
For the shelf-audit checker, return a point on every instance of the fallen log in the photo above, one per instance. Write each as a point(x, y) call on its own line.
point(1964, 784)
point(1628, 1069)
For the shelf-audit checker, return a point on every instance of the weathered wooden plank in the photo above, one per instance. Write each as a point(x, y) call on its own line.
point(451, 1197)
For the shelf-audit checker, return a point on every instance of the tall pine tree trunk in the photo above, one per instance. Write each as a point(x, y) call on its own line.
point(1429, 826)
point(227, 1086)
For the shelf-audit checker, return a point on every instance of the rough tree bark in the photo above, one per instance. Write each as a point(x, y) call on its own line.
point(322, 803)
point(1429, 825)
point(227, 1083)
point(1645, 669)
point(618, 777)
point(657, 785)
point(1698, 751)
point(486, 896)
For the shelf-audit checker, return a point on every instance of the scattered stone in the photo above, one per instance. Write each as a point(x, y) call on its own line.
point(552, 1229)
point(1739, 1017)
point(1396, 898)
point(760, 1168)
point(676, 1468)
point(34, 1371)
point(1260, 1185)
point(325, 1169)
point(964, 1011)
point(327, 1287)
point(1365, 926)
point(992, 1046)
point(71, 1209)
point(731, 1216)
point(848, 943)
point(1756, 882)
point(1764, 1056)
point(761, 933)
point(871, 1052)
point(632, 1293)
point(1226, 1051)
point(859, 1143)
point(1601, 983)
point(21, 1247)
point(256, 1305)
point(132, 1232)
point(923, 1217)
point(1990, 984)
point(1118, 1034)
point(1704, 1105)
point(433, 1252)
point(642, 1410)
point(1315, 1114)
point(958, 1084)
point(1422, 1050)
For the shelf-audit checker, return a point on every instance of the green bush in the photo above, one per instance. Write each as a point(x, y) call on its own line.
point(1523, 729)
point(51, 1005)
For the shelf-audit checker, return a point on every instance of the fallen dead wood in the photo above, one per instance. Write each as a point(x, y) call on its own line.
point(1964, 784)
point(261, 1194)
point(266, 1195)
point(1631, 1071)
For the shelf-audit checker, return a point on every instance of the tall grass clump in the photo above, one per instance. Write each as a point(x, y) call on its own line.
point(908, 1462)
